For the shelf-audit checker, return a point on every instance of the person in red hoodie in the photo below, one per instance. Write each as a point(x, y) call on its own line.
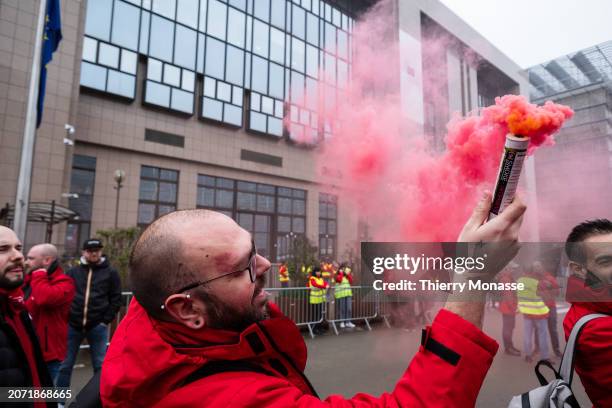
point(201, 332)
point(22, 363)
point(49, 300)
point(589, 290)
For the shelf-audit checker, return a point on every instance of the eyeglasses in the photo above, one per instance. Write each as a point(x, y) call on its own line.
point(252, 268)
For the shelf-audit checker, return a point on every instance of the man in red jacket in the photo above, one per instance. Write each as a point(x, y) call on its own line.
point(21, 362)
point(201, 332)
point(589, 289)
point(49, 300)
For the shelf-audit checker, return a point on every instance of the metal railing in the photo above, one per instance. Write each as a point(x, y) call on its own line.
point(367, 305)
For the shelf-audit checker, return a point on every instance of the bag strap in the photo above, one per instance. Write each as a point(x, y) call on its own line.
point(566, 370)
point(223, 366)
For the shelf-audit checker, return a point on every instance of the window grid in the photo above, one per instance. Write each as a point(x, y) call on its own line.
point(158, 193)
point(214, 26)
point(328, 226)
point(274, 215)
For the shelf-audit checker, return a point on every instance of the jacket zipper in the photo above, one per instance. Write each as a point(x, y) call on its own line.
point(87, 288)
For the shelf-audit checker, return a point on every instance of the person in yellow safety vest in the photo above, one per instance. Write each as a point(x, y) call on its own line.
point(318, 289)
point(327, 270)
point(306, 271)
point(535, 313)
point(344, 296)
point(283, 275)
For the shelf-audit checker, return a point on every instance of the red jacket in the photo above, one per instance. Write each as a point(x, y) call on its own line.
point(49, 305)
point(593, 358)
point(147, 361)
point(341, 275)
point(508, 302)
point(550, 290)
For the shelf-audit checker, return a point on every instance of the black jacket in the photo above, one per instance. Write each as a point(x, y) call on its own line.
point(14, 369)
point(103, 294)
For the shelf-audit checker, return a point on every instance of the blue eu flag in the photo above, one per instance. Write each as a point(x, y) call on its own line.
point(52, 35)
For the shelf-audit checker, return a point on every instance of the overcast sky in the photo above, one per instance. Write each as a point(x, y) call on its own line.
point(534, 31)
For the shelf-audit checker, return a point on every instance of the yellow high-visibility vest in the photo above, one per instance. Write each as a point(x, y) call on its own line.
point(343, 289)
point(528, 300)
point(317, 295)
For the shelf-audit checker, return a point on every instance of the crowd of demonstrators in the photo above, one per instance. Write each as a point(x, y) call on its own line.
point(589, 290)
point(96, 303)
point(48, 296)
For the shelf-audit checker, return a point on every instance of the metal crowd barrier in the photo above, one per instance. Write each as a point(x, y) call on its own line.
point(294, 303)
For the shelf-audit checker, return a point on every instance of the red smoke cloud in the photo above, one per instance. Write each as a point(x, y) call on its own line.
point(404, 191)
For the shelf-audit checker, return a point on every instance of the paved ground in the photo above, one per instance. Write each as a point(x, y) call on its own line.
point(371, 362)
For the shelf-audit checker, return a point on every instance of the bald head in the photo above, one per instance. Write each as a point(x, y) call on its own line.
point(41, 256)
point(181, 248)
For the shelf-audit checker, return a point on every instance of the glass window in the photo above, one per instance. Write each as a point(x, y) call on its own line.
point(342, 73)
point(246, 201)
point(255, 101)
point(98, 19)
point(277, 44)
point(145, 20)
point(278, 109)
point(109, 55)
point(224, 91)
point(187, 12)
point(245, 221)
point(162, 38)
point(299, 225)
point(278, 13)
point(90, 49)
point(210, 87)
point(262, 9)
point(148, 190)
point(298, 22)
point(121, 84)
point(147, 171)
point(267, 105)
point(165, 7)
point(172, 75)
point(182, 101)
point(234, 65)
point(217, 18)
point(312, 28)
point(184, 51)
point(232, 115)
point(241, 4)
point(200, 56)
point(262, 223)
point(259, 82)
point(206, 197)
point(260, 38)
point(224, 199)
point(215, 58)
point(336, 17)
point(128, 61)
point(299, 207)
point(225, 183)
point(212, 109)
point(297, 88)
point(297, 54)
point(342, 44)
point(265, 203)
point(126, 19)
point(188, 83)
point(275, 126)
point(157, 94)
point(170, 175)
point(203, 10)
point(330, 68)
point(283, 224)
point(93, 76)
point(246, 186)
point(237, 96)
point(154, 70)
point(146, 213)
point(167, 192)
point(277, 81)
point(257, 122)
point(284, 205)
point(235, 27)
point(312, 61)
point(330, 38)
point(206, 180)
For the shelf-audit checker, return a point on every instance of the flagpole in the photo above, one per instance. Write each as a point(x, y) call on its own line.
point(22, 200)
